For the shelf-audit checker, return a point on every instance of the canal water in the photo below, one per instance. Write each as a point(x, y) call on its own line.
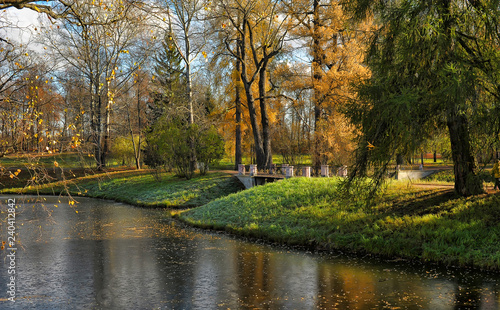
point(105, 255)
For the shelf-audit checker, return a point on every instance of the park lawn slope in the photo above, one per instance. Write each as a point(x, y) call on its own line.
point(143, 189)
point(427, 224)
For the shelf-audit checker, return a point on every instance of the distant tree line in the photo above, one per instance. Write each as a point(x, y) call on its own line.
point(181, 84)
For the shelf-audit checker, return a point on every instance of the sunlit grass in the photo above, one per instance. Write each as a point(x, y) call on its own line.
point(432, 225)
point(143, 189)
point(448, 176)
point(64, 160)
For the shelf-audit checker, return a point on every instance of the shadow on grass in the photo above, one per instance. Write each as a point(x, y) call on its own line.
point(426, 202)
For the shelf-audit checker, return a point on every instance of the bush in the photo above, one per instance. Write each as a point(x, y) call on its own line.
point(122, 149)
point(209, 148)
point(176, 143)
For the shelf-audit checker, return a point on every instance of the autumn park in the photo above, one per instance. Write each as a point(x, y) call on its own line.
point(249, 154)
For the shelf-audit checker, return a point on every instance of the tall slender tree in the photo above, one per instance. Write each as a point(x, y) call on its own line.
point(185, 18)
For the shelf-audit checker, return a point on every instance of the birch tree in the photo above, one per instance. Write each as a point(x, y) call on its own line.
point(185, 27)
point(95, 38)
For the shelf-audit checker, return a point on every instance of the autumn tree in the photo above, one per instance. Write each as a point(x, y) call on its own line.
point(254, 34)
point(41, 110)
point(295, 111)
point(54, 9)
point(136, 117)
point(75, 120)
point(336, 60)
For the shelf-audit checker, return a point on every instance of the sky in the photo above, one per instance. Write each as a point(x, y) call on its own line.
point(19, 25)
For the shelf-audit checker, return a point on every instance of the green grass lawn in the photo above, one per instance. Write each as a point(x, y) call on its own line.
point(448, 176)
point(65, 160)
point(140, 188)
point(431, 225)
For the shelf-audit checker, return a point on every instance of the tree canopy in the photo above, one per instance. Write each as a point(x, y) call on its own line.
point(353, 82)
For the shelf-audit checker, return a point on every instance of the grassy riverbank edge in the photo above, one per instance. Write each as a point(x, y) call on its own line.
point(427, 224)
point(142, 189)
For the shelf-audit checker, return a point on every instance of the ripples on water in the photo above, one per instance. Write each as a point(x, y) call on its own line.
point(114, 256)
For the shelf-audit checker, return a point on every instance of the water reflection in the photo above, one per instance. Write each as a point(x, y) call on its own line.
point(113, 256)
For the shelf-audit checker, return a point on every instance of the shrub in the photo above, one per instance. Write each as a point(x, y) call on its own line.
point(176, 143)
point(209, 148)
point(122, 149)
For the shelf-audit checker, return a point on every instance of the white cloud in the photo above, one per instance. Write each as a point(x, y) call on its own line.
point(19, 25)
point(22, 27)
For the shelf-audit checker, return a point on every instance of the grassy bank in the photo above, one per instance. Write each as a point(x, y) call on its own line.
point(448, 176)
point(432, 225)
point(426, 223)
point(142, 189)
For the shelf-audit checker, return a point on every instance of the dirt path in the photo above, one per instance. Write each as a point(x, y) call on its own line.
point(488, 189)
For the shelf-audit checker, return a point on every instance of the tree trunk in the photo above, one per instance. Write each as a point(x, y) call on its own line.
point(258, 147)
point(107, 127)
point(466, 181)
point(259, 150)
point(316, 80)
point(97, 129)
point(192, 144)
point(138, 149)
point(237, 150)
point(266, 135)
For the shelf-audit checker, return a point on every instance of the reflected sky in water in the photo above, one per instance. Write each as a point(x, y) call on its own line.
point(114, 256)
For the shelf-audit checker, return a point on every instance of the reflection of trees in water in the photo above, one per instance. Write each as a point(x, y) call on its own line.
point(124, 268)
point(120, 258)
point(178, 280)
point(345, 287)
point(104, 282)
point(255, 279)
